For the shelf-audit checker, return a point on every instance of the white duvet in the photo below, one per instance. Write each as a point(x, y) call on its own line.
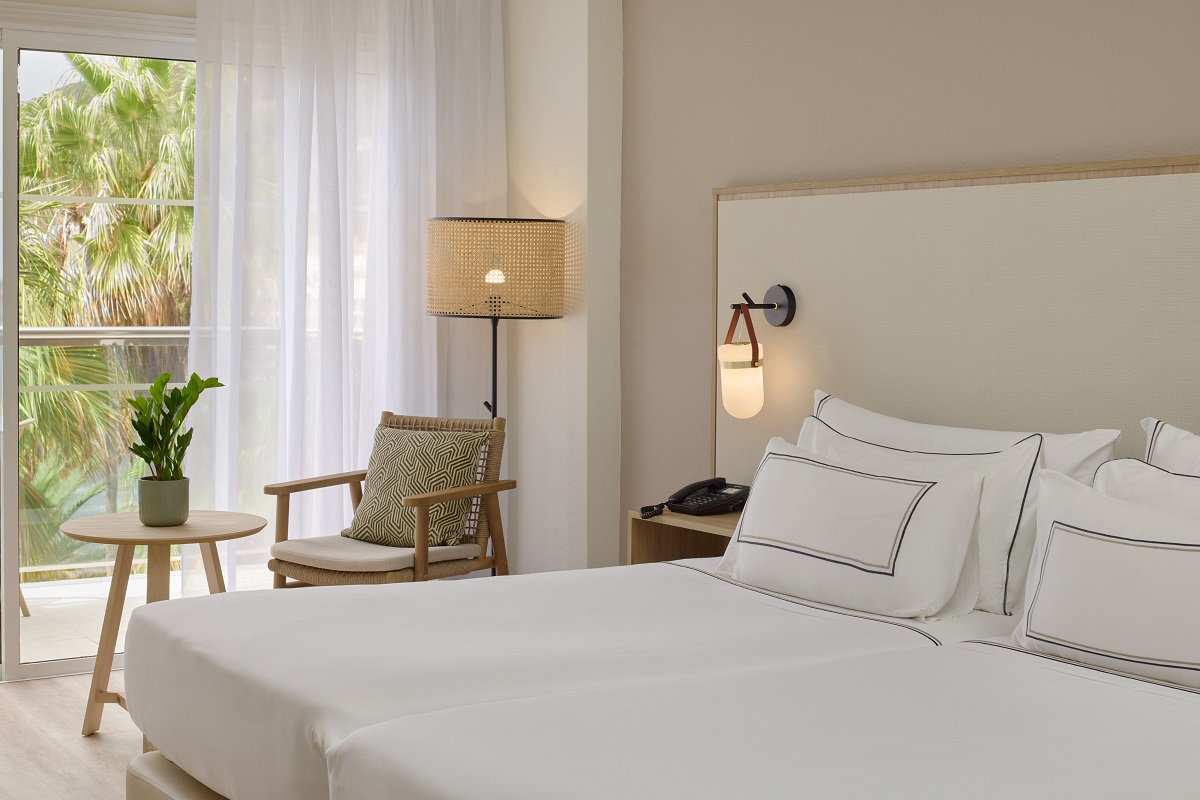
point(247, 691)
point(970, 720)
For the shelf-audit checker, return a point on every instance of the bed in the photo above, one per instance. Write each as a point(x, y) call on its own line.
point(1096, 694)
point(978, 719)
point(246, 692)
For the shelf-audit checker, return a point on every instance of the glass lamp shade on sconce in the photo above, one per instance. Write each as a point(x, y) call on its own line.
point(741, 362)
point(741, 380)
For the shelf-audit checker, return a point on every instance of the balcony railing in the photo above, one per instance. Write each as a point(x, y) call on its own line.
point(82, 337)
point(100, 337)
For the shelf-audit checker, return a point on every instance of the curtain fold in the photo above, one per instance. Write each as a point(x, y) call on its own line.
point(328, 132)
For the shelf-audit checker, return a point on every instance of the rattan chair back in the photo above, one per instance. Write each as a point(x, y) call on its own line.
point(488, 468)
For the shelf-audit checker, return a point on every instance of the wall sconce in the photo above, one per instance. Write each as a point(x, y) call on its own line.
point(741, 362)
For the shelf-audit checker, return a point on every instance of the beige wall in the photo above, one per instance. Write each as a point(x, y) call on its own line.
point(721, 93)
point(563, 84)
point(605, 98)
point(177, 8)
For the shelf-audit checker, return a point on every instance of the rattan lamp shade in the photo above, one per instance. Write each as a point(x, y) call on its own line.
point(509, 268)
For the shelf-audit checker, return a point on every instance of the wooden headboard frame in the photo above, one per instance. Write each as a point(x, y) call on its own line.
point(722, 198)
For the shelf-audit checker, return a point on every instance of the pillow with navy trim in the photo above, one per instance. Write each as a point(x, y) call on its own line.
point(1113, 584)
point(404, 463)
point(1171, 448)
point(1138, 482)
point(861, 533)
point(1007, 504)
point(1074, 454)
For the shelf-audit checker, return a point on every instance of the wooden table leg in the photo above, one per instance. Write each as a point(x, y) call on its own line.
point(108, 639)
point(212, 567)
point(158, 572)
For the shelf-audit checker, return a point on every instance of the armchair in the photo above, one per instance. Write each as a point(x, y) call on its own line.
point(337, 560)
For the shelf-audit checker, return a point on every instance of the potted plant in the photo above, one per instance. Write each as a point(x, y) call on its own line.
point(158, 422)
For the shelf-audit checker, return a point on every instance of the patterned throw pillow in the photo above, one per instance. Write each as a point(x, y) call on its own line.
point(405, 463)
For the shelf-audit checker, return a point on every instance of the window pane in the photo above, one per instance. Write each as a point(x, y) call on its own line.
point(105, 262)
point(99, 126)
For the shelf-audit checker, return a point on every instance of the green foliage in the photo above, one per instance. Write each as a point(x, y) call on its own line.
point(114, 128)
point(158, 421)
point(120, 128)
point(50, 495)
point(74, 429)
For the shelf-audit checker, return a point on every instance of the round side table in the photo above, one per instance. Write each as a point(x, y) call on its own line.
point(126, 531)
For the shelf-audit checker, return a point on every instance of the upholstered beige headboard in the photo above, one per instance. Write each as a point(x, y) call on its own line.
point(1052, 299)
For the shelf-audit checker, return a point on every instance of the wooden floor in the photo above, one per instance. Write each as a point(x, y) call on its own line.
point(43, 755)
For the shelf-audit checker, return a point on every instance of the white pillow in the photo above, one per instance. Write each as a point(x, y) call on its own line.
point(855, 533)
point(1138, 482)
point(1171, 448)
point(1007, 505)
point(1074, 454)
point(1113, 584)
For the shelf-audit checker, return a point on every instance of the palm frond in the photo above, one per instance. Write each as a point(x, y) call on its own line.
point(97, 73)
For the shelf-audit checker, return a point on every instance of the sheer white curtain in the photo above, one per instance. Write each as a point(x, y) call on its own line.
point(327, 132)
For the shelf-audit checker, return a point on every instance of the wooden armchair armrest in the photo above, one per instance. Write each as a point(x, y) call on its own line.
point(304, 484)
point(427, 499)
point(491, 507)
point(283, 495)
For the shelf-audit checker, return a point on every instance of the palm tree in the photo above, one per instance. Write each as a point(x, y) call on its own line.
point(121, 129)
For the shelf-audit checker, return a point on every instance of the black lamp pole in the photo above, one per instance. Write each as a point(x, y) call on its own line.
point(492, 405)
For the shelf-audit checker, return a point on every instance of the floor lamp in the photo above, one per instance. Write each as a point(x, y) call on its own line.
point(495, 268)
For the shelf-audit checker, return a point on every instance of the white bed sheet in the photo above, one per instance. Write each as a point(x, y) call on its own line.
point(969, 720)
point(247, 691)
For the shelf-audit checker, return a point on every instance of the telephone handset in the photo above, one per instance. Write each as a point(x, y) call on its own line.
point(711, 496)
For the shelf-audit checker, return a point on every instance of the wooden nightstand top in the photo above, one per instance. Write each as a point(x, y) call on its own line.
point(718, 524)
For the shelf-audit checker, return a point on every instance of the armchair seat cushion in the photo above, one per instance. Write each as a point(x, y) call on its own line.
point(344, 554)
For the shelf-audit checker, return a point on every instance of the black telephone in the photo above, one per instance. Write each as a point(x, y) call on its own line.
point(712, 496)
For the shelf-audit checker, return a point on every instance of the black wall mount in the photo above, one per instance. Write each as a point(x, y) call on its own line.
point(778, 305)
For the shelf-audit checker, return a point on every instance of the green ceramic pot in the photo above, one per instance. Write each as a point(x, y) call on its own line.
point(162, 504)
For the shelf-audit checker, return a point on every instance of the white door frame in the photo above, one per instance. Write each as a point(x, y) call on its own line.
point(31, 27)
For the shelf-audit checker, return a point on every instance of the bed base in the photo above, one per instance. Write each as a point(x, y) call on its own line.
point(150, 776)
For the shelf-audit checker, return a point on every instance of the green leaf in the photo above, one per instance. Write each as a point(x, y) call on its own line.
point(156, 388)
point(158, 423)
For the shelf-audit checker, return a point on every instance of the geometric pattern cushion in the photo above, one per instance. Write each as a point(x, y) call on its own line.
point(404, 463)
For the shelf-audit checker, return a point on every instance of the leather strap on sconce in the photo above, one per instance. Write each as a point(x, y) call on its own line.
point(743, 310)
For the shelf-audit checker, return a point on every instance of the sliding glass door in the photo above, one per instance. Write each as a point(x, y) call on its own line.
point(97, 210)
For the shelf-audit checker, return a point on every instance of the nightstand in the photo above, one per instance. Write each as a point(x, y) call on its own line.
point(671, 536)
